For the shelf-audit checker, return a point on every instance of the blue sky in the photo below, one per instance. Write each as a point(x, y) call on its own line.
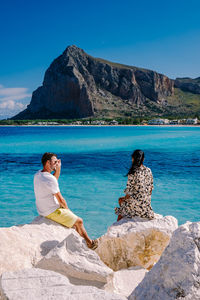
point(160, 35)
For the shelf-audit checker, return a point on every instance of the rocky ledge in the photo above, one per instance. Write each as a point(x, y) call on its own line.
point(44, 260)
point(177, 273)
point(136, 242)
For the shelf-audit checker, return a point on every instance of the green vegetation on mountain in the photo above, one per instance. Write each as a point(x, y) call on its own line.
point(184, 104)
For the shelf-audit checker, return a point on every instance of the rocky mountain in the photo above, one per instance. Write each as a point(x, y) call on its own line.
point(77, 85)
point(188, 84)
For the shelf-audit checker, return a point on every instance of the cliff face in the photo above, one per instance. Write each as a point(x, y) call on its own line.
point(77, 85)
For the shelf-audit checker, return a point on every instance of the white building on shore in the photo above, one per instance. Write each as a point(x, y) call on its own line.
point(174, 122)
point(158, 122)
point(113, 122)
point(192, 121)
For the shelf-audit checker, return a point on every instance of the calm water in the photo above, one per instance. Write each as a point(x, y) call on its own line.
point(95, 161)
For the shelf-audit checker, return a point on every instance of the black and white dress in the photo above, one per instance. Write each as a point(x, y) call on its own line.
point(139, 187)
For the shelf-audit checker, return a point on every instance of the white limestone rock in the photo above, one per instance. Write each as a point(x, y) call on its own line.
point(136, 242)
point(125, 281)
point(37, 284)
point(24, 245)
point(74, 259)
point(177, 274)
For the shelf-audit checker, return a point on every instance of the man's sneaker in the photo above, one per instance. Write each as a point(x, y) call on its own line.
point(94, 245)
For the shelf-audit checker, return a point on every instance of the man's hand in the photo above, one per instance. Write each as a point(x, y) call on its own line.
point(61, 200)
point(58, 168)
point(64, 205)
point(58, 165)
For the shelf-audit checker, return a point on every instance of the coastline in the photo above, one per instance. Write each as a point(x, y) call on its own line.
point(122, 125)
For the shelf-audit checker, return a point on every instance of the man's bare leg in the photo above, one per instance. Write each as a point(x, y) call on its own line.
point(81, 230)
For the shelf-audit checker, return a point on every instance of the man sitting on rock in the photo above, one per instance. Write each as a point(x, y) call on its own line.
point(50, 202)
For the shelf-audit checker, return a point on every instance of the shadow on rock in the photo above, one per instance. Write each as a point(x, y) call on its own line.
point(47, 246)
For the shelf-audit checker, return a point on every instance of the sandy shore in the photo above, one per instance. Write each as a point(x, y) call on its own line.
point(65, 125)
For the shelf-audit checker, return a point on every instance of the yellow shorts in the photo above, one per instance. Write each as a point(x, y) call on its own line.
point(63, 216)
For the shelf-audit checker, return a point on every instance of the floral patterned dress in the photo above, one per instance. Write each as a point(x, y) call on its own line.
point(139, 187)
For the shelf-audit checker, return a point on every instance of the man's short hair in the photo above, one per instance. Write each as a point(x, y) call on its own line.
point(47, 156)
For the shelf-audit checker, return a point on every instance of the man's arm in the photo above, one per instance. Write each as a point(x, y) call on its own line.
point(58, 168)
point(61, 200)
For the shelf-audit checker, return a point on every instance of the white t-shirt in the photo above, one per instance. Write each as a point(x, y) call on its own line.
point(45, 186)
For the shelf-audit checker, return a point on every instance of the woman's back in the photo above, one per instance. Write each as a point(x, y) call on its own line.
point(140, 182)
point(137, 199)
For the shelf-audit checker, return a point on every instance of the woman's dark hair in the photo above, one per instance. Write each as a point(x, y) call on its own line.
point(47, 156)
point(138, 158)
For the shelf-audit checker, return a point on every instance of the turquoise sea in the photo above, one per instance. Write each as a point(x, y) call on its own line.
point(95, 161)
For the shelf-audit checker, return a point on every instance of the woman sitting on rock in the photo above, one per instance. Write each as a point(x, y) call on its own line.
point(137, 201)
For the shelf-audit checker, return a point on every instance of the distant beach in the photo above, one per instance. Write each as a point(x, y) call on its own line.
point(131, 125)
